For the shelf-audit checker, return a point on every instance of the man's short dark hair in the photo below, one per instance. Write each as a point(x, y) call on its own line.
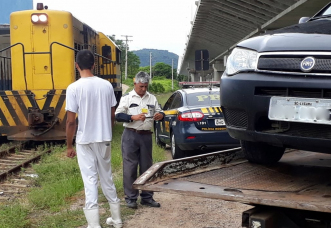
point(85, 59)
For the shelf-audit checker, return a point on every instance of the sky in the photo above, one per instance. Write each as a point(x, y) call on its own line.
point(153, 24)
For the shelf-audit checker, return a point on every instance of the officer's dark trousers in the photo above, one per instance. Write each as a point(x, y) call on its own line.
point(136, 151)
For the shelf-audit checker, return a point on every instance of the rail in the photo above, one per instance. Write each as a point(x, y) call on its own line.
point(13, 181)
point(15, 158)
point(26, 84)
point(109, 61)
point(5, 73)
point(63, 45)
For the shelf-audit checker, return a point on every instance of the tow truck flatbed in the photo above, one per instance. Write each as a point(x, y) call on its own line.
point(301, 180)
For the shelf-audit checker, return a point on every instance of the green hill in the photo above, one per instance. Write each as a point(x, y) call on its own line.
point(158, 56)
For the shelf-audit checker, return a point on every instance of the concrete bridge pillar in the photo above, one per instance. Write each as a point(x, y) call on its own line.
point(194, 77)
point(219, 68)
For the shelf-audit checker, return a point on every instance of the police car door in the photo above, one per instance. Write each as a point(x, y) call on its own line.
point(162, 123)
point(171, 114)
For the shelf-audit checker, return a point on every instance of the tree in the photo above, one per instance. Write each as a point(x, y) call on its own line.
point(121, 45)
point(133, 63)
point(162, 69)
point(145, 69)
point(182, 78)
point(133, 59)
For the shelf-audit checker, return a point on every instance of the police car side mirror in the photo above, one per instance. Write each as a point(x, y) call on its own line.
point(303, 20)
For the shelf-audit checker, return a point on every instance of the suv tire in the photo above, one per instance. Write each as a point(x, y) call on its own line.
point(261, 153)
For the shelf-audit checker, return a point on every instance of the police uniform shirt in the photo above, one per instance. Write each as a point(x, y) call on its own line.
point(133, 104)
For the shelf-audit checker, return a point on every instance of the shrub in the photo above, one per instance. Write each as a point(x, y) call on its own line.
point(159, 88)
point(159, 78)
point(156, 88)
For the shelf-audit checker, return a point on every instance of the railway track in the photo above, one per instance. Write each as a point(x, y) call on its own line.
point(14, 180)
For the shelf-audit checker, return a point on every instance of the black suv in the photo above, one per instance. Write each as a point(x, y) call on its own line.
point(276, 90)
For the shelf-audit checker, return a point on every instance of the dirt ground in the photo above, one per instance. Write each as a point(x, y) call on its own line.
point(125, 88)
point(187, 212)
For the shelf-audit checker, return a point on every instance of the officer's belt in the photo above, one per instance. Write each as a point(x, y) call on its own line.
point(142, 132)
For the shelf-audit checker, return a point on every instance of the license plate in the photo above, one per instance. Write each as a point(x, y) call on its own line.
point(219, 122)
point(305, 110)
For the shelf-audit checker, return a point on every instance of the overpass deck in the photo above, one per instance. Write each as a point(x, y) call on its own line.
point(220, 24)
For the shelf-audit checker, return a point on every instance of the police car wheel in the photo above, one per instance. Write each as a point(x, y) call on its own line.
point(176, 152)
point(261, 153)
point(157, 139)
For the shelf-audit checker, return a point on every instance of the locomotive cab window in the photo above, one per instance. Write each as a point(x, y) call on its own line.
point(106, 52)
point(118, 56)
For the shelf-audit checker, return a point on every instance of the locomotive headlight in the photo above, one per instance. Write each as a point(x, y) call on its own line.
point(241, 60)
point(43, 18)
point(35, 18)
point(39, 18)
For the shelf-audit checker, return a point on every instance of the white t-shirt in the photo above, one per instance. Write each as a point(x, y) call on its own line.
point(92, 99)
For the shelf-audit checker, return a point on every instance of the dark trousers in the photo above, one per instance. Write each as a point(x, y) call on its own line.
point(136, 151)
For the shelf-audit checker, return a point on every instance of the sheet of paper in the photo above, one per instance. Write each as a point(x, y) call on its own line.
point(135, 110)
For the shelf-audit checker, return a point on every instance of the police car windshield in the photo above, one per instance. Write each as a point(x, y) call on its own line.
point(211, 98)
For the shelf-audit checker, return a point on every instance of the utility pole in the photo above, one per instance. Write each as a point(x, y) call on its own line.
point(150, 66)
point(188, 72)
point(126, 55)
point(172, 75)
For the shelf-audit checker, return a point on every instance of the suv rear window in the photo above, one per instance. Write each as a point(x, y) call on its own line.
point(211, 98)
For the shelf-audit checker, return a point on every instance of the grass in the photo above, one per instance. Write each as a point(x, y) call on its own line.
point(13, 215)
point(167, 84)
point(59, 179)
point(59, 186)
point(162, 98)
point(5, 146)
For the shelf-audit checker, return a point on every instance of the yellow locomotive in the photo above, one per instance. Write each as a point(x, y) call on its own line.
point(43, 44)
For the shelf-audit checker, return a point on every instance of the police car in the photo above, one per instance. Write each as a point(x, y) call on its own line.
point(193, 121)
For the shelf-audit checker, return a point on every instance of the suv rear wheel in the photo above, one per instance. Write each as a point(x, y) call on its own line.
point(176, 152)
point(261, 153)
point(157, 139)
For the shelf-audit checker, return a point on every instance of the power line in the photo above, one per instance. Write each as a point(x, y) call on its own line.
point(172, 74)
point(150, 65)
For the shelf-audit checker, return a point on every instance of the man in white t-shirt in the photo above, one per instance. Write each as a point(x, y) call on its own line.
point(93, 100)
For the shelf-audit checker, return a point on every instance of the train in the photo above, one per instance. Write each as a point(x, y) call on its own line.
point(37, 63)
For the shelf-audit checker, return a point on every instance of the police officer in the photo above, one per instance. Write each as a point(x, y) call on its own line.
point(137, 110)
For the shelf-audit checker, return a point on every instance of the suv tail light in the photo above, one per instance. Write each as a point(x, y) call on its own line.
point(190, 116)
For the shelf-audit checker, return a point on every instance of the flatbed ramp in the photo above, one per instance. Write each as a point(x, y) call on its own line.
point(301, 180)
